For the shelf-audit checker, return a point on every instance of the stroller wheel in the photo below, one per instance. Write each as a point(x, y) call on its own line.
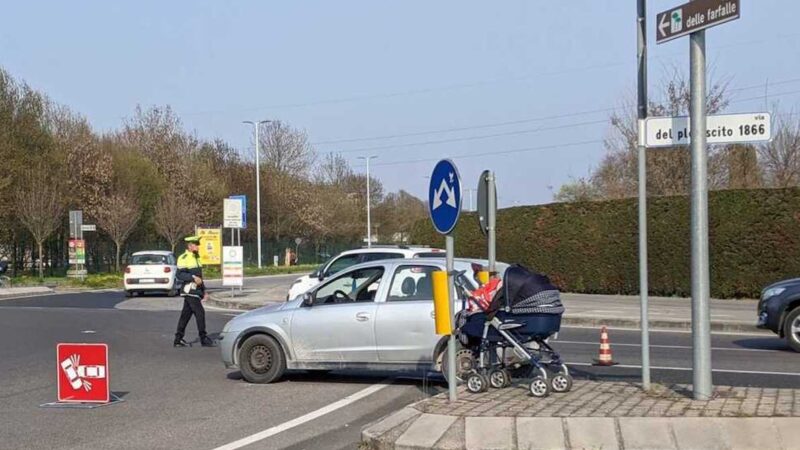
point(561, 382)
point(499, 378)
point(477, 383)
point(539, 387)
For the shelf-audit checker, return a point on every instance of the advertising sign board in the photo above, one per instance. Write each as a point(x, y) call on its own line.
point(210, 245)
point(232, 266)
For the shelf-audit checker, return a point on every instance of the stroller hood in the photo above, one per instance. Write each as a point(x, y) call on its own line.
point(527, 292)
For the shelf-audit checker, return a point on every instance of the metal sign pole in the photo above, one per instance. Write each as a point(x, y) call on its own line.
point(492, 219)
point(239, 240)
point(701, 336)
point(642, 114)
point(451, 343)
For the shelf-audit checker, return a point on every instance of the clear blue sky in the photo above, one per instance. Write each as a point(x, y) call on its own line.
point(349, 70)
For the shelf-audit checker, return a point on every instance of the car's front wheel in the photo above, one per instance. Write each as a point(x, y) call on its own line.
point(791, 329)
point(261, 359)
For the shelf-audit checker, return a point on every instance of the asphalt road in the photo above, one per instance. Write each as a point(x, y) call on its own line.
point(185, 398)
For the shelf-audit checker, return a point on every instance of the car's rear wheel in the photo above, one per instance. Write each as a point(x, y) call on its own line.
point(261, 359)
point(172, 293)
point(128, 294)
point(791, 329)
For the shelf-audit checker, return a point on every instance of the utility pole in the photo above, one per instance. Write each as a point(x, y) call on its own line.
point(641, 97)
point(369, 213)
point(701, 332)
point(257, 125)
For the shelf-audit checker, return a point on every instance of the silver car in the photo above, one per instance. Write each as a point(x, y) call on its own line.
point(374, 315)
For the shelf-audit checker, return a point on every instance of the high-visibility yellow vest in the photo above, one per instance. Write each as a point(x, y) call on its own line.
point(189, 260)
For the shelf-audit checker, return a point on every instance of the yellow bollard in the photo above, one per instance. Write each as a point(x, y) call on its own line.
point(483, 276)
point(441, 303)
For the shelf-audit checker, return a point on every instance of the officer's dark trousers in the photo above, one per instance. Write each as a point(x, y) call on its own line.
point(192, 305)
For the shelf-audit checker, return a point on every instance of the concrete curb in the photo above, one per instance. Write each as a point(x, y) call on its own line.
point(233, 304)
point(410, 429)
point(684, 325)
point(24, 292)
point(585, 321)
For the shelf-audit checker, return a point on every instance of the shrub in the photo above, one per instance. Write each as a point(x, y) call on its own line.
point(592, 247)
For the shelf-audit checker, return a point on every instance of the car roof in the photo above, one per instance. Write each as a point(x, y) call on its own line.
point(407, 250)
point(153, 252)
point(461, 263)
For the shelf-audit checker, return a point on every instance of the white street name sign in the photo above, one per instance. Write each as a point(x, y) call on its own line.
point(720, 129)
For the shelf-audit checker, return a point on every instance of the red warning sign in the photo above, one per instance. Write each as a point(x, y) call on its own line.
point(82, 372)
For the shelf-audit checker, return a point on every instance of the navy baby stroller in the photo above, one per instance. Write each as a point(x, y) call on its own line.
point(525, 310)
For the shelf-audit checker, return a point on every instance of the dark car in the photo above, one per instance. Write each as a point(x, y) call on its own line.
point(779, 311)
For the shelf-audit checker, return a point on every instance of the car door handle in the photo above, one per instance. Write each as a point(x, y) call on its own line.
point(362, 317)
point(433, 314)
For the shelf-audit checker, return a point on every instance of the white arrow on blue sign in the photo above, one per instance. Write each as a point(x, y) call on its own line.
point(444, 196)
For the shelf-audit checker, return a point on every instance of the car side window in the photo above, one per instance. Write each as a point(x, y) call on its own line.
point(342, 263)
point(413, 282)
point(353, 287)
point(368, 257)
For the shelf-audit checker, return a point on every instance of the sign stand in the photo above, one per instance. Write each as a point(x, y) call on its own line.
point(83, 377)
point(64, 405)
point(444, 205)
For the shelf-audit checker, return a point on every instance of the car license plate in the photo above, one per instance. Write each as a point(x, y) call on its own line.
point(147, 280)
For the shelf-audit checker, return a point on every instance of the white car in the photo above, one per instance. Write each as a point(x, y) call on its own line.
point(357, 256)
point(151, 271)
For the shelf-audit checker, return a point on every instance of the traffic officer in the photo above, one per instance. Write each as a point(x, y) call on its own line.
point(193, 291)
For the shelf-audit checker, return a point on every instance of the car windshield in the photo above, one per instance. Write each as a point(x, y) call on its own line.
point(318, 270)
point(146, 260)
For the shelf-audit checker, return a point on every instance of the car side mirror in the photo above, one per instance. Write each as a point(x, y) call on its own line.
point(308, 299)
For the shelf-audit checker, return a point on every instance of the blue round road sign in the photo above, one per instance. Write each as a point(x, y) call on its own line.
point(444, 196)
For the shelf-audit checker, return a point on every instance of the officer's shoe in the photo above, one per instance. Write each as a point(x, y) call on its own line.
point(205, 341)
point(179, 342)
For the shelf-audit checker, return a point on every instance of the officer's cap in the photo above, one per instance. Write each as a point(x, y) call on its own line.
point(192, 239)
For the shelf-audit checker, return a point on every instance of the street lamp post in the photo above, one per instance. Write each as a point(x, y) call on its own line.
point(256, 125)
point(369, 214)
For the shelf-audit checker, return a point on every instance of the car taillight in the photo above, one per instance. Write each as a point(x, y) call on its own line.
point(167, 269)
point(128, 269)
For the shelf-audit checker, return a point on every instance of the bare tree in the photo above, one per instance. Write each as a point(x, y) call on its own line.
point(171, 220)
point(781, 156)
point(334, 170)
point(286, 150)
point(667, 169)
point(39, 206)
point(117, 216)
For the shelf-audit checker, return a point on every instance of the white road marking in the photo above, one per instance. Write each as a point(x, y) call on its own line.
point(689, 369)
point(303, 419)
point(687, 347)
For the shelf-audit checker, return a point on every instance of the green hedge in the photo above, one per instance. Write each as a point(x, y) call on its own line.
point(592, 247)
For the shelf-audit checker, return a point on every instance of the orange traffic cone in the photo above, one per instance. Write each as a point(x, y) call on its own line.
point(604, 358)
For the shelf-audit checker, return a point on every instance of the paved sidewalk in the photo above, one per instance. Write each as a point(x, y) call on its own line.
point(619, 311)
point(664, 312)
point(606, 415)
